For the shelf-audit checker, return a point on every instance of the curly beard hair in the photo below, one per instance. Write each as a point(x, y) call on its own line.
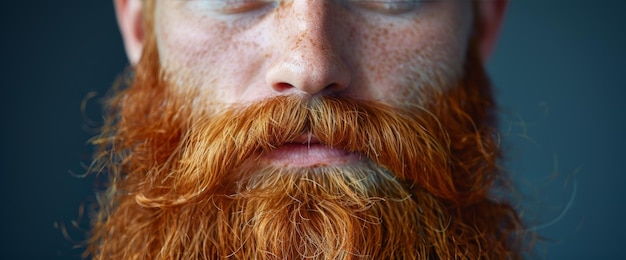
point(184, 184)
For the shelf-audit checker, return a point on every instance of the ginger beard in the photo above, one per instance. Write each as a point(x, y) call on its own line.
point(188, 184)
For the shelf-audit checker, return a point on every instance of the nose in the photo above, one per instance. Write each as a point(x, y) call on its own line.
point(308, 52)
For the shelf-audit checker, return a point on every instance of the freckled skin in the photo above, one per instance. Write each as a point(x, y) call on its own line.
point(313, 47)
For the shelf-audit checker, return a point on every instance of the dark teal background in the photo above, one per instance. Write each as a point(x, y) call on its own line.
point(558, 70)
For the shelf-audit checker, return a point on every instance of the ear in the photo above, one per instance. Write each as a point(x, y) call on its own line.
point(490, 18)
point(130, 21)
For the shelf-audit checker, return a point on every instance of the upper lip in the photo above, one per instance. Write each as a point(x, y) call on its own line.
point(307, 138)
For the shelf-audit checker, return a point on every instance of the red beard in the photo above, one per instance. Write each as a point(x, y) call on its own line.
point(189, 185)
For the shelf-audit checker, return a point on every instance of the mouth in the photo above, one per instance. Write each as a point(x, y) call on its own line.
point(307, 151)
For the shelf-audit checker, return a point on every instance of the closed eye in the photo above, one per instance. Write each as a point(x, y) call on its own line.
point(389, 6)
point(237, 6)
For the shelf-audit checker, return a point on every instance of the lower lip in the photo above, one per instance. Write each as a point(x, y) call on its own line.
point(305, 155)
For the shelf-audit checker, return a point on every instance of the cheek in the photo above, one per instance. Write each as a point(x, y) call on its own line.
point(203, 55)
point(186, 45)
point(402, 60)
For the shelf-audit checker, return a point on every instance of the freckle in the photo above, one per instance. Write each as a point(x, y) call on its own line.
point(313, 42)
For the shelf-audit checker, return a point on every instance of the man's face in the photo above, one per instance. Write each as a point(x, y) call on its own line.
point(238, 51)
point(304, 129)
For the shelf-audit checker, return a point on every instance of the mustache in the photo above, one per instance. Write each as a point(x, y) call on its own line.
point(409, 142)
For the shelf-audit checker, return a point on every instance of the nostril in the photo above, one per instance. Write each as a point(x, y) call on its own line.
point(282, 86)
point(333, 87)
